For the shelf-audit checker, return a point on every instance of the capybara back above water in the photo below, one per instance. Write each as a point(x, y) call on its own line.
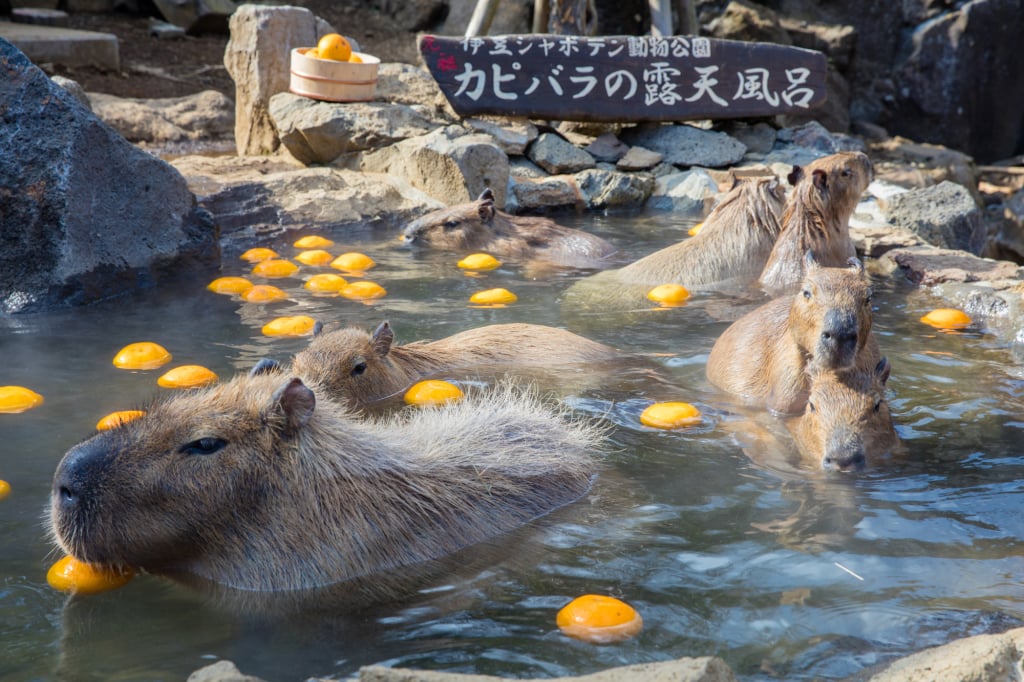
point(847, 424)
point(763, 357)
point(480, 226)
point(359, 368)
point(816, 218)
point(259, 484)
point(729, 251)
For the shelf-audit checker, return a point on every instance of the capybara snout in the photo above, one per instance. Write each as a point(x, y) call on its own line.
point(838, 342)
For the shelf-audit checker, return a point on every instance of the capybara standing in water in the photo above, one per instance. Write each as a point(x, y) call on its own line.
point(359, 368)
point(816, 218)
point(729, 251)
point(259, 484)
point(847, 423)
point(763, 357)
point(480, 226)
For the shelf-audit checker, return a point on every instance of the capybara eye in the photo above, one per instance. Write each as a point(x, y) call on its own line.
point(358, 368)
point(878, 405)
point(451, 224)
point(203, 446)
point(807, 294)
point(811, 407)
point(868, 299)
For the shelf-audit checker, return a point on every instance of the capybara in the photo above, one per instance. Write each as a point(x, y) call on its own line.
point(730, 251)
point(847, 423)
point(817, 218)
point(259, 484)
point(359, 368)
point(480, 226)
point(763, 357)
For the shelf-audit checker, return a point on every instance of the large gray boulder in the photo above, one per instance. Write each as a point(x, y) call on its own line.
point(84, 214)
point(686, 145)
point(944, 215)
point(207, 115)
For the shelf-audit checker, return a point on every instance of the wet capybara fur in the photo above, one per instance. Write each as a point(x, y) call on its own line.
point(729, 252)
point(358, 368)
point(847, 424)
point(817, 218)
point(480, 226)
point(259, 484)
point(763, 357)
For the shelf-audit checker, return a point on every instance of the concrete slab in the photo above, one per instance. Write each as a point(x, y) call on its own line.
point(64, 46)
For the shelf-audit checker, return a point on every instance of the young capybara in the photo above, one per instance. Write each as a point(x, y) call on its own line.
point(847, 423)
point(359, 368)
point(259, 484)
point(480, 226)
point(763, 357)
point(817, 218)
point(730, 250)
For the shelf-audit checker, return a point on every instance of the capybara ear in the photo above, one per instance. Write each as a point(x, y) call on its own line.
point(820, 179)
point(855, 264)
point(486, 195)
point(795, 175)
point(295, 402)
point(265, 366)
point(883, 369)
point(318, 328)
point(381, 338)
point(485, 205)
point(810, 262)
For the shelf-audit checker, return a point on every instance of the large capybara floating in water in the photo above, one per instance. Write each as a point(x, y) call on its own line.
point(763, 357)
point(358, 368)
point(729, 252)
point(816, 218)
point(480, 226)
point(260, 485)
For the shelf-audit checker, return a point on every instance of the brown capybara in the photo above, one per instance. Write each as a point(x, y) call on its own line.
point(480, 226)
point(763, 357)
point(728, 253)
point(817, 218)
point(847, 423)
point(259, 484)
point(359, 368)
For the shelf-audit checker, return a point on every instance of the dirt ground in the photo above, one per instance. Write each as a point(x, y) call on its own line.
point(152, 67)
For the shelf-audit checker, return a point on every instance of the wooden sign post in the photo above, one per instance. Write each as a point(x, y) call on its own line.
point(623, 78)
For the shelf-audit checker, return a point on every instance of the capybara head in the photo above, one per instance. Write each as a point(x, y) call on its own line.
point(352, 365)
point(830, 318)
point(829, 187)
point(457, 228)
point(847, 422)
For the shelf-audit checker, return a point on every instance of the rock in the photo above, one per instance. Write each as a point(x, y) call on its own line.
point(834, 113)
point(759, 138)
point(638, 158)
point(511, 16)
point(837, 42)
point(39, 16)
point(707, 669)
point(813, 135)
point(415, 15)
point(914, 164)
point(258, 59)
point(555, 155)
point(165, 30)
point(950, 89)
point(221, 671)
point(448, 164)
point(518, 167)
point(604, 188)
point(197, 16)
point(609, 149)
point(979, 658)
point(686, 145)
point(558, 191)
point(692, 192)
point(745, 21)
point(320, 132)
point(257, 198)
point(207, 114)
point(944, 215)
point(399, 83)
point(929, 266)
point(73, 89)
point(513, 136)
point(86, 214)
point(1009, 237)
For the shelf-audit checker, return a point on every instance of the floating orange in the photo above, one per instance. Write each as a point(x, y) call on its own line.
point(479, 262)
point(275, 267)
point(142, 355)
point(312, 241)
point(229, 285)
point(314, 257)
point(497, 296)
point(258, 254)
point(325, 282)
point(71, 575)
point(947, 318)
point(669, 294)
point(296, 325)
point(16, 399)
point(364, 290)
point(432, 392)
point(695, 230)
point(5, 489)
point(115, 419)
point(670, 415)
point(353, 262)
point(187, 376)
point(599, 619)
point(263, 293)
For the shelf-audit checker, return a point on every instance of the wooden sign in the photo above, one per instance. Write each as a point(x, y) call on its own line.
point(623, 78)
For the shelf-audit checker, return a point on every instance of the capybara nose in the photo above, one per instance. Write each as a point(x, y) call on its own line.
point(845, 461)
point(77, 474)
